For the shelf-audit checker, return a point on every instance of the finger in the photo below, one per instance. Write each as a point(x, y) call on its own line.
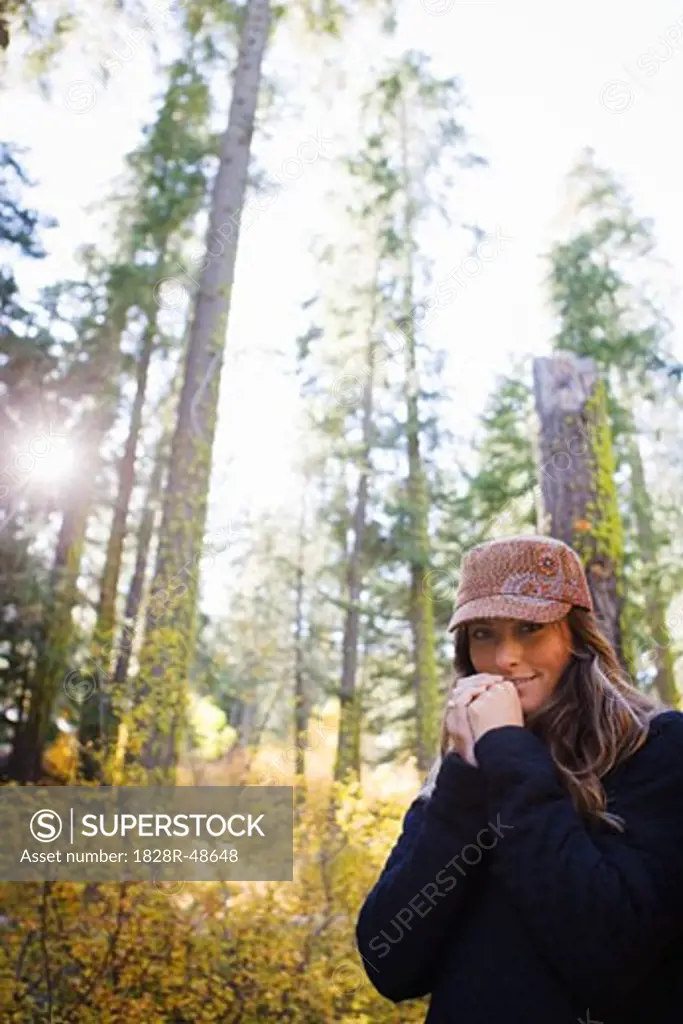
point(493, 691)
point(472, 695)
point(486, 694)
point(465, 684)
point(480, 686)
point(477, 680)
point(465, 697)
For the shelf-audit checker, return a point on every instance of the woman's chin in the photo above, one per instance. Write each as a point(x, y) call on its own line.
point(527, 705)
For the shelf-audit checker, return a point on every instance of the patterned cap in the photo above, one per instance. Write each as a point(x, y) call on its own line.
point(529, 577)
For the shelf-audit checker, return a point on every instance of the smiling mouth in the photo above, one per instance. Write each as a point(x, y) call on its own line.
point(523, 679)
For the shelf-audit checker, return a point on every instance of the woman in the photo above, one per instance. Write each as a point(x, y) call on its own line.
point(538, 877)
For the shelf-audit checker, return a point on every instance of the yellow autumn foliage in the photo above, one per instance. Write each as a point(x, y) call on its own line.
point(200, 953)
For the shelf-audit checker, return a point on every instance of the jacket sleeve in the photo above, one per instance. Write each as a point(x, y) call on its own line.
point(414, 904)
point(601, 914)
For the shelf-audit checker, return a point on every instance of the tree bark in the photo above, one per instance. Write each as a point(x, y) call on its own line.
point(300, 696)
point(96, 724)
point(131, 615)
point(348, 760)
point(52, 664)
point(421, 605)
point(156, 726)
point(577, 482)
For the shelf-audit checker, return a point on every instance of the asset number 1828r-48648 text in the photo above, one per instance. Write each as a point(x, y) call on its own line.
point(201, 856)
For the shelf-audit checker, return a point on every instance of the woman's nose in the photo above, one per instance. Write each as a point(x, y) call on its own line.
point(508, 654)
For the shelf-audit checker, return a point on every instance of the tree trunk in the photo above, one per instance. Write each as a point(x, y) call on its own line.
point(577, 482)
point(300, 697)
point(136, 587)
point(655, 601)
point(96, 724)
point(52, 668)
point(131, 612)
point(245, 723)
point(421, 605)
point(155, 727)
point(348, 761)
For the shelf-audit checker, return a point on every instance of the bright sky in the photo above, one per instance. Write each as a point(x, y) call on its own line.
point(542, 81)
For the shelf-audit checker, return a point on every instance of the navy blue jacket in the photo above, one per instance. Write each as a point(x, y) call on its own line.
point(508, 906)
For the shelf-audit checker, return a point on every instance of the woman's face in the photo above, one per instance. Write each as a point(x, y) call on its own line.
point(531, 654)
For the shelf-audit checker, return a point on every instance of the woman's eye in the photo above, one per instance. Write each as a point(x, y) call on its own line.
point(525, 627)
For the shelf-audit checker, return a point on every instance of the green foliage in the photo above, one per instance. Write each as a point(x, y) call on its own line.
point(606, 309)
point(598, 277)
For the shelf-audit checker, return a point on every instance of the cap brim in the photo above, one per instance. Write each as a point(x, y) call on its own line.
point(517, 606)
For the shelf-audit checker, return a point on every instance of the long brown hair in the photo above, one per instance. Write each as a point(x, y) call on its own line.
point(594, 718)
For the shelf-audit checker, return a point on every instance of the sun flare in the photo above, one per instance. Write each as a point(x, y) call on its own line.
point(57, 466)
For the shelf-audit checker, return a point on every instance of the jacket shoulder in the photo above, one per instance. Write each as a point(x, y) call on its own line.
point(666, 727)
point(658, 763)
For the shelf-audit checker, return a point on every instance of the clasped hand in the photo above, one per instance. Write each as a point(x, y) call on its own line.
point(479, 703)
